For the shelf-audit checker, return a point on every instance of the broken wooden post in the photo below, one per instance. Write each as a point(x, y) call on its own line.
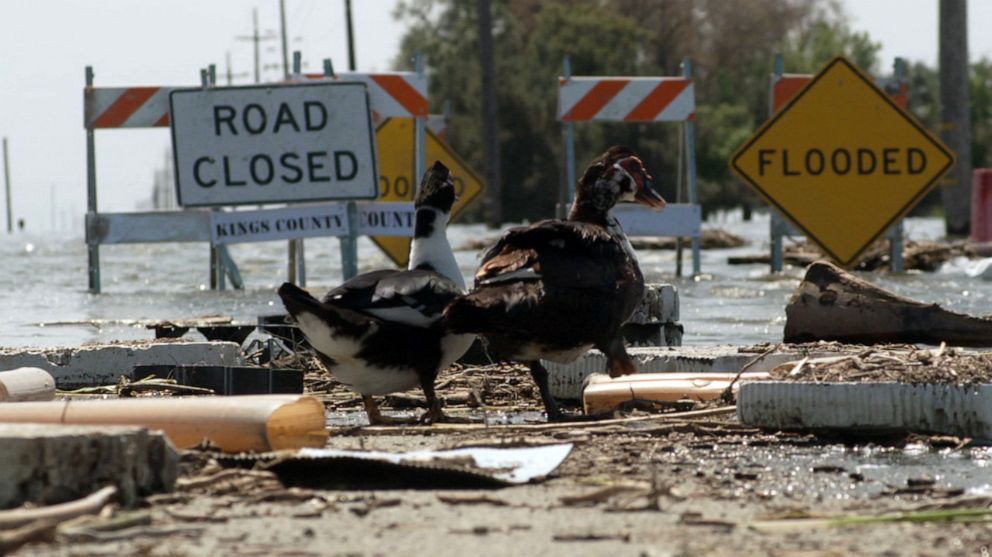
point(832, 304)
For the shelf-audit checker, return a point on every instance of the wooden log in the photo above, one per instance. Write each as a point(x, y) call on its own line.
point(832, 304)
point(26, 383)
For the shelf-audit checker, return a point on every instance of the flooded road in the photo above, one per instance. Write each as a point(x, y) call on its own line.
point(45, 302)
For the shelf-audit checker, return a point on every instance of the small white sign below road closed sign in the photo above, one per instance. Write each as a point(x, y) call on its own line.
point(232, 227)
point(273, 144)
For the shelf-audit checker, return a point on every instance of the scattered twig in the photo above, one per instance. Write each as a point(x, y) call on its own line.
point(471, 500)
point(130, 534)
point(38, 531)
point(955, 515)
point(697, 519)
point(58, 513)
point(602, 495)
point(728, 394)
point(373, 504)
point(188, 484)
point(443, 428)
point(592, 537)
point(189, 517)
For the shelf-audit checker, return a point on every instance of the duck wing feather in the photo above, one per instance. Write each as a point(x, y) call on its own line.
point(564, 254)
point(414, 297)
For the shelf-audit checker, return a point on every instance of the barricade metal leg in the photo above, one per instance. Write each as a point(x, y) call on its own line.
point(349, 244)
point(229, 267)
point(214, 268)
point(291, 262)
point(569, 146)
point(301, 263)
point(776, 232)
point(690, 154)
point(895, 248)
point(93, 248)
point(94, 268)
point(776, 225)
point(420, 127)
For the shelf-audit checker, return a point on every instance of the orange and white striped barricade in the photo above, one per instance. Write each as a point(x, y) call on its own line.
point(137, 107)
point(122, 107)
point(783, 87)
point(126, 107)
point(638, 99)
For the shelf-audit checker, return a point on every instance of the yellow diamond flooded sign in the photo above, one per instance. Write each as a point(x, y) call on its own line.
point(842, 161)
point(396, 139)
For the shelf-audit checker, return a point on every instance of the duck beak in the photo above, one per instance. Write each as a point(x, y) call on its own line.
point(647, 196)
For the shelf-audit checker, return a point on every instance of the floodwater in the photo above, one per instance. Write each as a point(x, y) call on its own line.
point(843, 472)
point(46, 303)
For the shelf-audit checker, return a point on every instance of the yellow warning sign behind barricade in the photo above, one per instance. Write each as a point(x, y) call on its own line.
point(842, 161)
point(395, 142)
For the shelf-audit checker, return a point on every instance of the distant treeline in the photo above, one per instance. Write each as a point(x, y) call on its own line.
point(732, 47)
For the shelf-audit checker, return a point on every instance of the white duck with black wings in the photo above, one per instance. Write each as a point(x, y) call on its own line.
point(381, 332)
point(555, 289)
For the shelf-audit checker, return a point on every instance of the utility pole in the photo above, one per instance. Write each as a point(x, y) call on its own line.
point(6, 181)
point(257, 40)
point(955, 115)
point(490, 128)
point(285, 47)
point(351, 35)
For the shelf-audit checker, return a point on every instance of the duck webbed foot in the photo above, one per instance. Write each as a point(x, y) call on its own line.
point(376, 417)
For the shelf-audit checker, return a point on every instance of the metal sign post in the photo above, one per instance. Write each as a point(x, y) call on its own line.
point(6, 182)
point(420, 124)
point(93, 248)
point(690, 154)
point(297, 254)
point(569, 148)
point(347, 243)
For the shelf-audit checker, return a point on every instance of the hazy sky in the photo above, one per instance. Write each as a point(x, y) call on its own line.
point(47, 43)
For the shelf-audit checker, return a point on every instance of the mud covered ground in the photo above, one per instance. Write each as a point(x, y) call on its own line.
point(690, 487)
point(697, 483)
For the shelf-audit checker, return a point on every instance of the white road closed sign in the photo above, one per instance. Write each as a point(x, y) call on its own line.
point(273, 144)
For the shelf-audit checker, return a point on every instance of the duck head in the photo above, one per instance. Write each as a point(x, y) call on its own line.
point(616, 175)
point(437, 190)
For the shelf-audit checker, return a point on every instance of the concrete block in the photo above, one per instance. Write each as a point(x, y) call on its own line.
point(659, 305)
point(962, 410)
point(47, 464)
point(566, 380)
point(655, 321)
point(103, 364)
